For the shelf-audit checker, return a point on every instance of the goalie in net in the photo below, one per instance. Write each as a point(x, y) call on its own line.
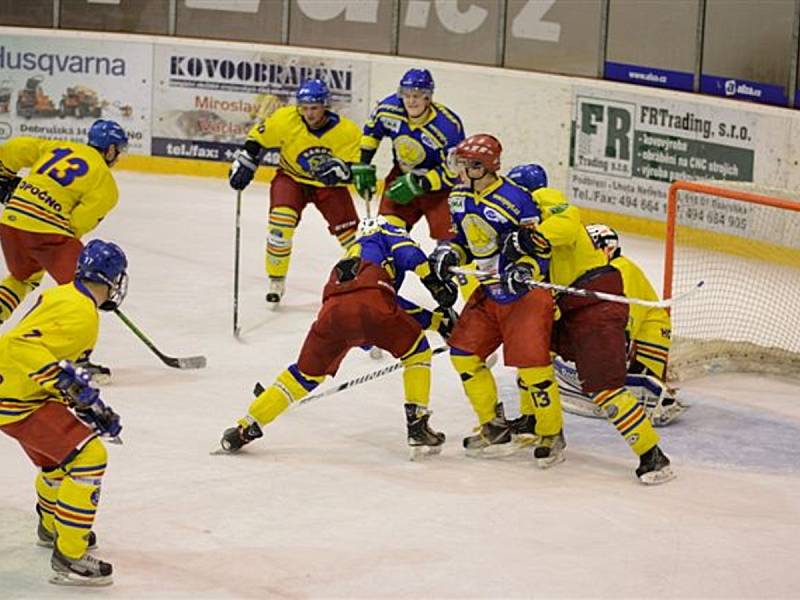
point(648, 331)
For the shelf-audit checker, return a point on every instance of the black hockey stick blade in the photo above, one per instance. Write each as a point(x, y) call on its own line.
point(189, 362)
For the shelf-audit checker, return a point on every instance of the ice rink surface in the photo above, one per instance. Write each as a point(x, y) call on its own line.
point(327, 505)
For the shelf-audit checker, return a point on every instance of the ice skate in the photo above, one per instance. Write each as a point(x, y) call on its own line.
point(86, 570)
point(493, 439)
point(101, 375)
point(666, 410)
point(550, 450)
point(277, 286)
point(422, 440)
point(234, 438)
point(523, 431)
point(654, 467)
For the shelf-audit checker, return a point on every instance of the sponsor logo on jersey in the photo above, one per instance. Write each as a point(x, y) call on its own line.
point(427, 141)
point(456, 203)
point(495, 216)
point(392, 125)
point(40, 194)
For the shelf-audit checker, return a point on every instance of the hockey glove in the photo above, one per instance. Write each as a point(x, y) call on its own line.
point(364, 179)
point(442, 259)
point(243, 168)
point(7, 187)
point(517, 278)
point(447, 318)
point(407, 187)
point(527, 241)
point(444, 291)
point(332, 172)
point(75, 384)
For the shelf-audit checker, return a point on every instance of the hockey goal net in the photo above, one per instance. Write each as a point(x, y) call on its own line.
point(744, 243)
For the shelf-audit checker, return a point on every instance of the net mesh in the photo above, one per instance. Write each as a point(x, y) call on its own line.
point(747, 316)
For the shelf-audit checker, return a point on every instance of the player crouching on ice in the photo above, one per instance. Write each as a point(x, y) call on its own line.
point(648, 330)
point(590, 331)
point(360, 307)
point(49, 406)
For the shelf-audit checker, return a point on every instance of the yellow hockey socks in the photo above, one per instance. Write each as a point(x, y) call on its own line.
point(47, 485)
point(417, 372)
point(77, 500)
point(13, 292)
point(627, 415)
point(282, 223)
point(479, 384)
point(539, 386)
point(290, 386)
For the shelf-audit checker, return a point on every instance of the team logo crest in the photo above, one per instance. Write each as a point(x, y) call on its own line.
point(311, 158)
point(481, 236)
point(409, 152)
point(95, 497)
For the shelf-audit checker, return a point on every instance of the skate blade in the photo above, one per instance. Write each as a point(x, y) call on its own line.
point(658, 477)
point(415, 452)
point(492, 451)
point(73, 579)
point(218, 451)
point(550, 461)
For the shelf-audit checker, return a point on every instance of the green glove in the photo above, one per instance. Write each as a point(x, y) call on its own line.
point(405, 188)
point(364, 179)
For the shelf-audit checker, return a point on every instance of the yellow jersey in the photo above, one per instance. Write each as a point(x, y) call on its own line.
point(301, 149)
point(62, 326)
point(637, 285)
point(68, 191)
point(574, 252)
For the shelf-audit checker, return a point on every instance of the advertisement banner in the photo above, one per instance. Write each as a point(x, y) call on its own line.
point(55, 88)
point(627, 149)
point(207, 99)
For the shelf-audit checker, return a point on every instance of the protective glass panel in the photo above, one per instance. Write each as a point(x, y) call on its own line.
point(343, 24)
point(140, 16)
point(247, 20)
point(33, 13)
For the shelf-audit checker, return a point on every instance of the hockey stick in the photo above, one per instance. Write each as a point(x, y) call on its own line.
point(588, 293)
point(258, 389)
point(189, 362)
point(237, 243)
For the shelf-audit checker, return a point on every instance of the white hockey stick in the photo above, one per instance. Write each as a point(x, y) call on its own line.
point(258, 389)
point(588, 293)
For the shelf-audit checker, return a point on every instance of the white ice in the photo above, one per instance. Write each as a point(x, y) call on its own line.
point(327, 505)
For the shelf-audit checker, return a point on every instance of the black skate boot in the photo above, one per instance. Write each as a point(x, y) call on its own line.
point(523, 431)
point(277, 286)
point(47, 539)
point(550, 450)
point(86, 570)
point(493, 438)
point(234, 438)
point(422, 440)
point(654, 467)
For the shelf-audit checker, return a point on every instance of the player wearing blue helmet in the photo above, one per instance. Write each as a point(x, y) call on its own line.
point(50, 407)
point(422, 133)
point(317, 148)
point(68, 190)
point(530, 176)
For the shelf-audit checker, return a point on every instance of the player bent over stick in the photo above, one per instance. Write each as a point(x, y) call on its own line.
point(48, 405)
point(317, 150)
point(502, 310)
point(590, 331)
point(360, 307)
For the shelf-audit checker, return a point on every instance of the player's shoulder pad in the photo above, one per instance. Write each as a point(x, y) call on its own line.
point(448, 116)
point(392, 104)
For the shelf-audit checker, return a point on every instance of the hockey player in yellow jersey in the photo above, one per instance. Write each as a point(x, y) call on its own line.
point(590, 331)
point(67, 192)
point(49, 406)
point(317, 148)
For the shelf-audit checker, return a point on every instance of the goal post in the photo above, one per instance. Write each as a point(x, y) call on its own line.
point(744, 242)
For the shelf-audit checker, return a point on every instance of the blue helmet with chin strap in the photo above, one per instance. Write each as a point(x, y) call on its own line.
point(531, 176)
point(417, 79)
point(105, 262)
point(313, 91)
point(105, 132)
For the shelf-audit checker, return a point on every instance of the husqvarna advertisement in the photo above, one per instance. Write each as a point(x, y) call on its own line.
point(208, 98)
point(57, 87)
